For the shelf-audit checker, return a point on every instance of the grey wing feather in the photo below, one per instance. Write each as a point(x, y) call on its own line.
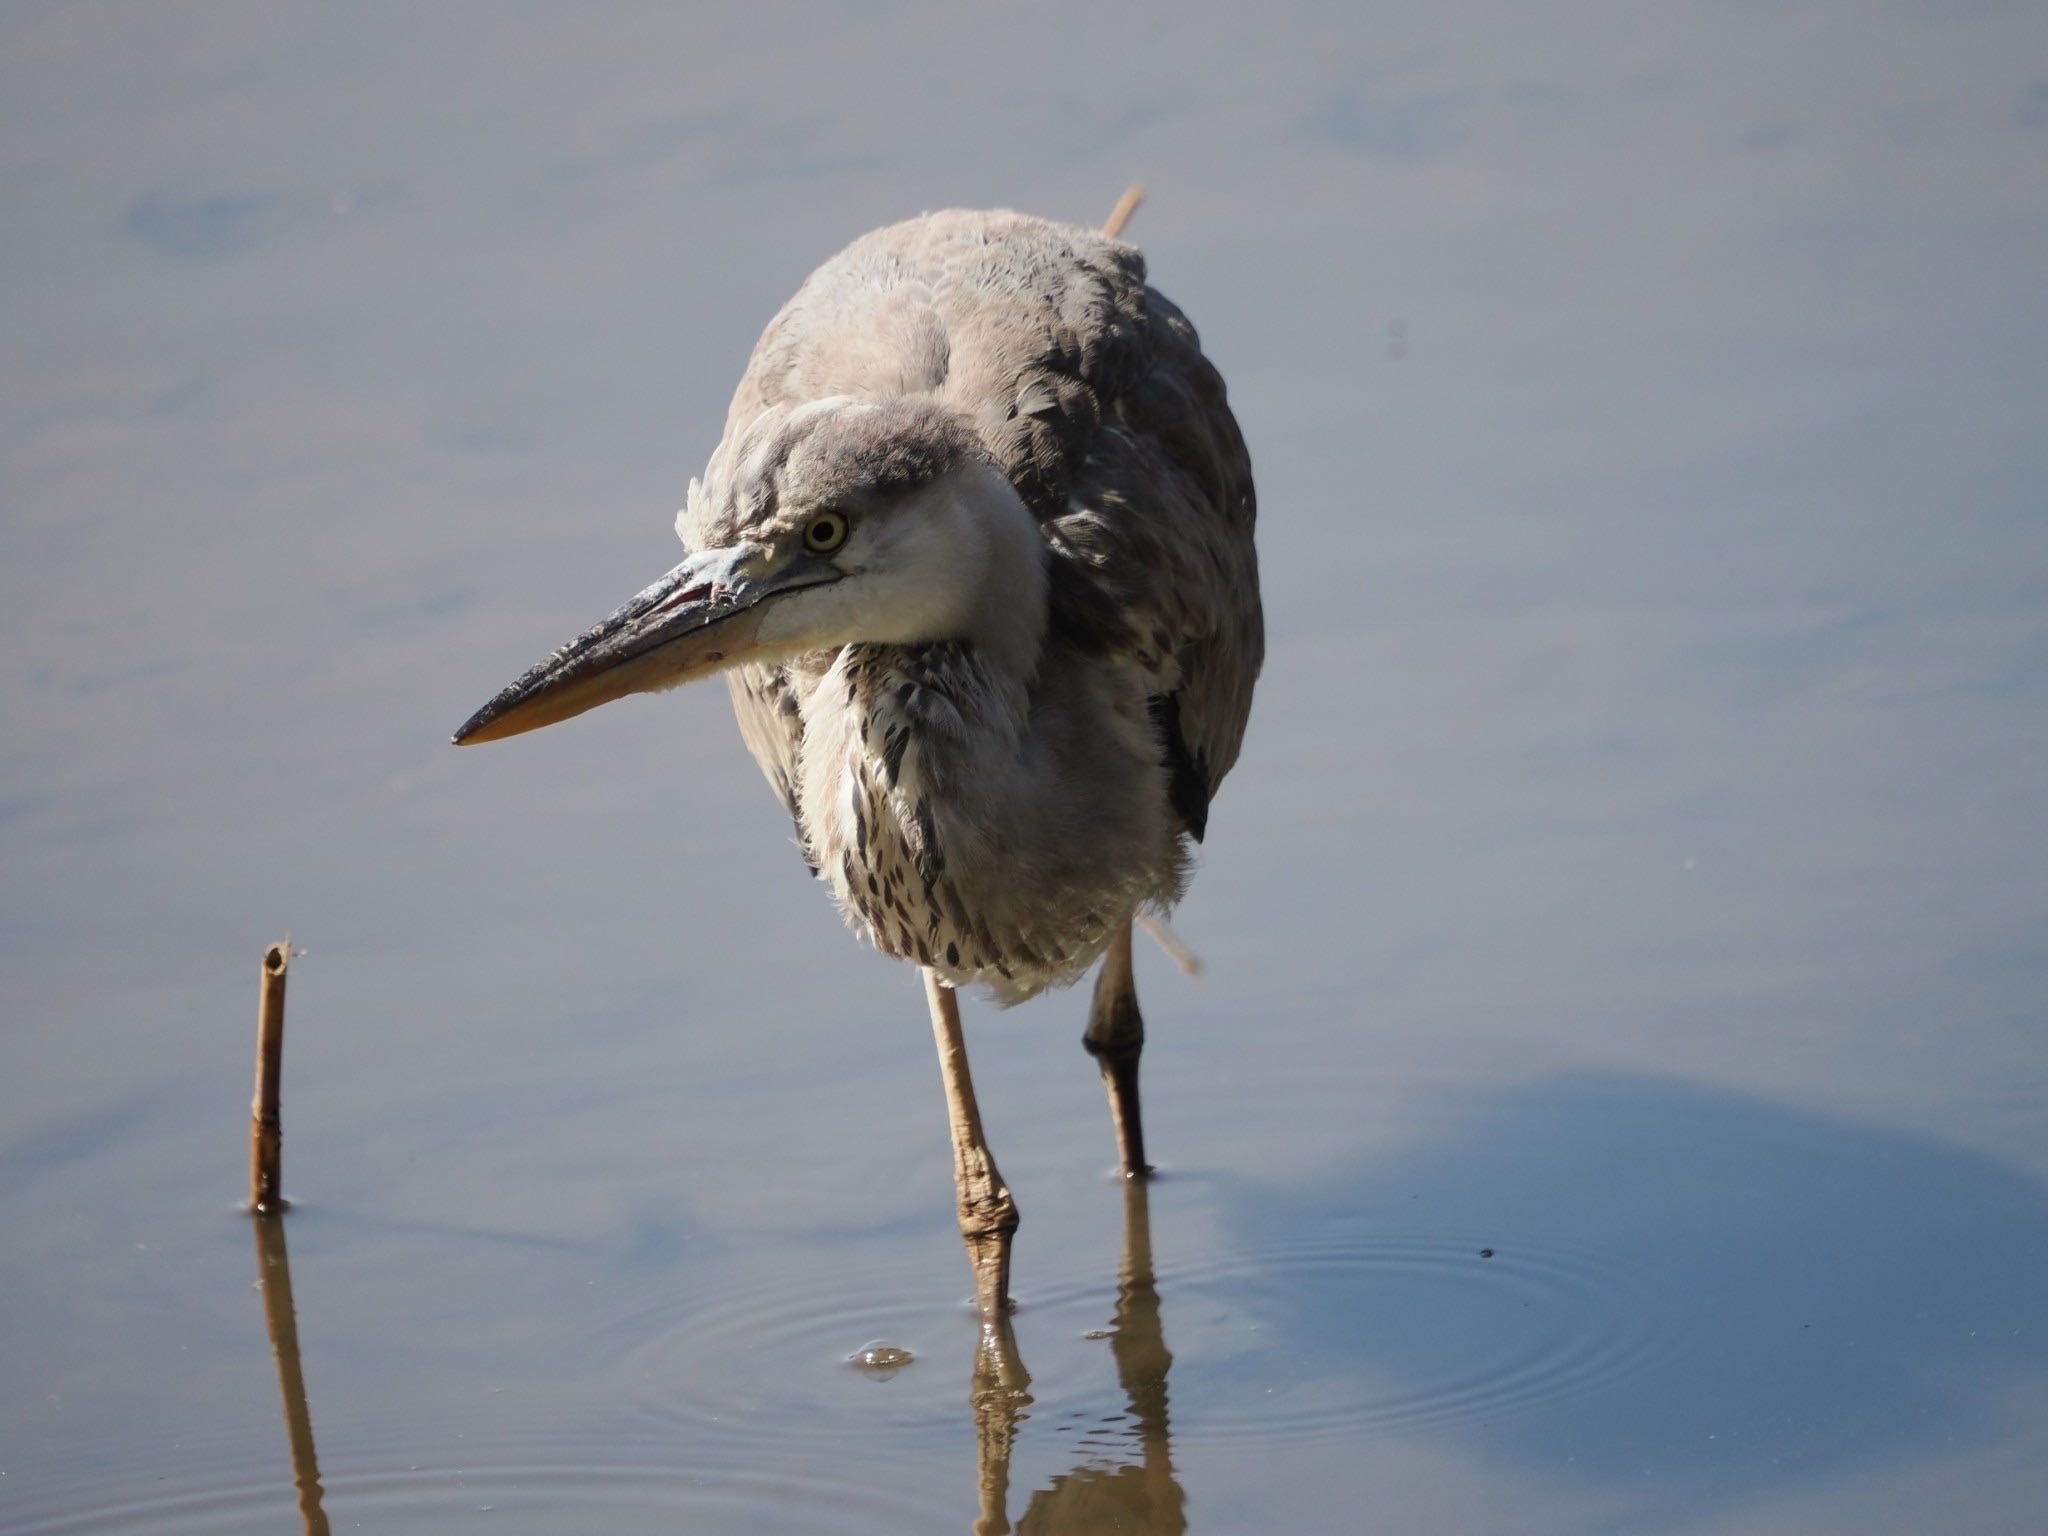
point(1090, 390)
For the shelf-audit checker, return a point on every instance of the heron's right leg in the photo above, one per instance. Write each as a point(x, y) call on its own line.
point(988, 1216)
point(1116, 1038)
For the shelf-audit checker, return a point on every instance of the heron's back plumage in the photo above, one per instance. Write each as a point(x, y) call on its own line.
point(1089, 391)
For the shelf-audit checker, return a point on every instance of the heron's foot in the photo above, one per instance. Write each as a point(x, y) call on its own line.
point(988, 1255)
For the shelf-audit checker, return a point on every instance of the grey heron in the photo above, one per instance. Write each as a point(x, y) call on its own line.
point(975, 556)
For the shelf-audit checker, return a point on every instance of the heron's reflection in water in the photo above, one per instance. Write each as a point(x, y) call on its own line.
point(274, 1274)
point(1137, 1494)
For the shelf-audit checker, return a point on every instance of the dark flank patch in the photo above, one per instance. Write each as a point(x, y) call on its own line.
point(1189, 787)
point(952, 954)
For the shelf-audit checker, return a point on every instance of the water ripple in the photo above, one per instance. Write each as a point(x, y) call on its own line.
point(1346, 1336)
point(769, 1359)
point(514, 1491)
point(1368, 1335)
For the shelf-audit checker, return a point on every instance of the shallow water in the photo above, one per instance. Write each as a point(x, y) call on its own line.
point(1615, 1099)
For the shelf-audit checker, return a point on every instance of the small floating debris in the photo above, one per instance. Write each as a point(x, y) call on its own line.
point(881, 1358)
point(1486, 1253)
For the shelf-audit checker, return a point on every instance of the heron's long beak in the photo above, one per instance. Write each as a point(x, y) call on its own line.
point(701, 617)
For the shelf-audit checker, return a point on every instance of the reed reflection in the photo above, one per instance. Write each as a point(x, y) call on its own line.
point(1137, 1493)
point(274, 1275)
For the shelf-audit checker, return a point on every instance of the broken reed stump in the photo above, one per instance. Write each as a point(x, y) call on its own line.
point(266, 1126)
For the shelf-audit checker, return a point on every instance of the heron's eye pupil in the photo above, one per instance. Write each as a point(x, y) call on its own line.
point(824, 533)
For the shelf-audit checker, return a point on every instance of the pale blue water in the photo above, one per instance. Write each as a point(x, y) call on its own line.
point(1634, 869)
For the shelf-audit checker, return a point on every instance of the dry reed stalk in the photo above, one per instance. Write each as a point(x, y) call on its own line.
point(266, 1126)
point(1126, 205)
point(1161, 934)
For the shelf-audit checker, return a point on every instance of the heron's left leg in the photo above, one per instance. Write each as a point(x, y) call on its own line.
point(988, 1216)
point(1116, 1038)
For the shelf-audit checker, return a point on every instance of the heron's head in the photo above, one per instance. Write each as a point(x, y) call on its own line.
point(817, 526)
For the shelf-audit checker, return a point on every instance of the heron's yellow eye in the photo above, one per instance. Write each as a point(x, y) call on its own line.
point(825, 533)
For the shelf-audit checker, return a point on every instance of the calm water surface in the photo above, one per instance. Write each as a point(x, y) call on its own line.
point(1616, 1098)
